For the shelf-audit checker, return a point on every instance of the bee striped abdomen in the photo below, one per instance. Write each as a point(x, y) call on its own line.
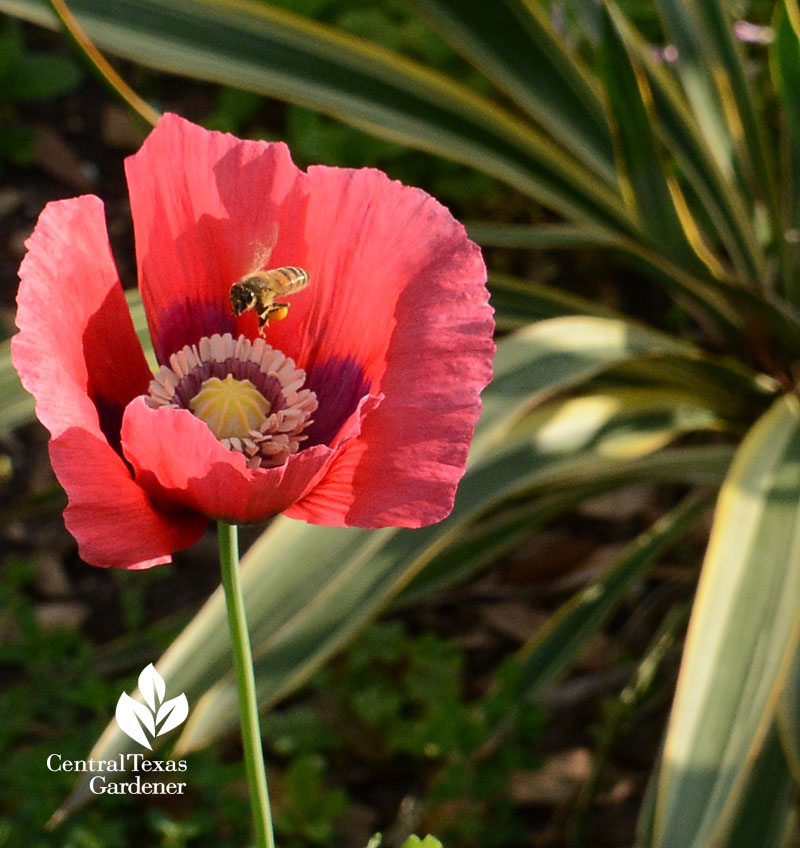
point(287, 280)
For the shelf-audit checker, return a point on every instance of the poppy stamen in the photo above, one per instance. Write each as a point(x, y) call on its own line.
point(249, 394)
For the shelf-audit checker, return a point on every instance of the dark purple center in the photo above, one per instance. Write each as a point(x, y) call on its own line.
point(270, 387)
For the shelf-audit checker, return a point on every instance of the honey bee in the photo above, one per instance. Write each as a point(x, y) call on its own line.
point(258, 290)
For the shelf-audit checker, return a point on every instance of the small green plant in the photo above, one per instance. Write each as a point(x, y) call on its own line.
point(394, 695)
point(311, 808)
point(412, 842)
point(35, 663)
point(428, 842)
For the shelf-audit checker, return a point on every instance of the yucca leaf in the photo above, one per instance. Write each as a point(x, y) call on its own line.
point(486, 541)
point(519, 302)
point(730, 390)
point(290, 647)
point(623, 423)
point(644, 182)
point(734, 310)
point(787, 719)
point(767, 812)
point(785, 68)
point(557, 644)
point(541, 236)
point(550, 356)
point(517, 49)
point(711, 67)
point(742, 638)
point(727, 69)
point(767, 322)
point(17, 406)
point(290, 608)
point(679, 130)
point(588, 17)
point(714, 299)
point(697, 77)
point(274, 52)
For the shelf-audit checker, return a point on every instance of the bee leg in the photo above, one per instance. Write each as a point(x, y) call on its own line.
point(278, 311)
point(263, 321)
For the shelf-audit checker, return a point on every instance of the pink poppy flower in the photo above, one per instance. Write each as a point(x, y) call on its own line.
point(357, 409)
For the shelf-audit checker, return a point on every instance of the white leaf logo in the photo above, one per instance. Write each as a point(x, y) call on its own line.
point(156, 715)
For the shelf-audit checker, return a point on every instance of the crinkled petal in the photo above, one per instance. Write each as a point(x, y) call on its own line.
point(110, 515)
point(205, 206)
point(177, 459)
point(78, 354)
point(400, 290)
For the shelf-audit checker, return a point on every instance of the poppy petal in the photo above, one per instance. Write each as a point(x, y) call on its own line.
point(178, 459)
point(78, 354)
point(110, 515)
point(200, 228)
point(400, 290)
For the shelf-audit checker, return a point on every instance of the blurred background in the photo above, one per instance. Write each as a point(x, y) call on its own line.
point(505, 678)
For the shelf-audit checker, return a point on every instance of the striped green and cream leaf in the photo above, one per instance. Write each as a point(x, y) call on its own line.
point(729, 213)
point(742, 639)
point(261, 48)
point(711, 67)
point(518, 303)
point(291, 644)
point(767, 814)
point(642, 174)
point(516, 47)
point(785, 69)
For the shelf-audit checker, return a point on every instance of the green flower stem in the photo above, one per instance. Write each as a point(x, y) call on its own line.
point(228, 537)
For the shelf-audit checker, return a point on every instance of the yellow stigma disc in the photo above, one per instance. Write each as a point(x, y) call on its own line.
point(230, 407)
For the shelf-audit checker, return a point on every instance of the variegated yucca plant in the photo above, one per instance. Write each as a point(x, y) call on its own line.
point(674, 163)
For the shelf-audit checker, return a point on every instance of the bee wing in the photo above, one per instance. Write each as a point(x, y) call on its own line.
point(262, 250)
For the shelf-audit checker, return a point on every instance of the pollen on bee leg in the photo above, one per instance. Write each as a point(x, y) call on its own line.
point(248, 393)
